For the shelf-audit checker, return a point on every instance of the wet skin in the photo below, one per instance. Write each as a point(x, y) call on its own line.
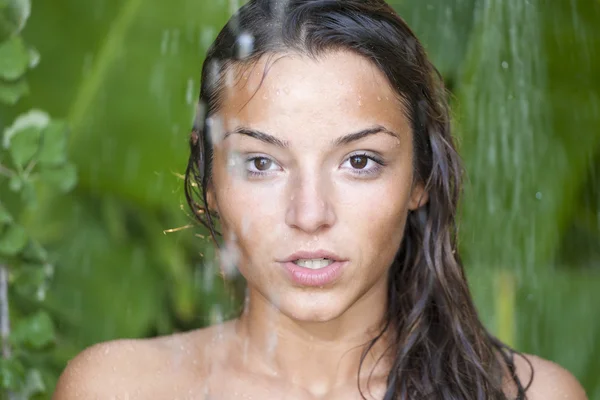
point(303, 188)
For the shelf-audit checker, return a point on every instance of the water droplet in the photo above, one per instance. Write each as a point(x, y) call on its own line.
point(538, 195)
point(245, 225)
point(245, 45)
point(189, 92)
point(164, 44)
point(214, 126)
point(216, 314)
point(504, 65)
point(207, 36)
point(229, 257)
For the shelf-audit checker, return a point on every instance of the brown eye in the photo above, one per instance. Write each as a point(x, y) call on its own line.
point(358, 162)
point(262, 164)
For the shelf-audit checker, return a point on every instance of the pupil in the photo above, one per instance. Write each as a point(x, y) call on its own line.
point(358, 162)
point(262, 164)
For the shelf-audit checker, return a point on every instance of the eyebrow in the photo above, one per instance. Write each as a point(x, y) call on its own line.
point(344, 140)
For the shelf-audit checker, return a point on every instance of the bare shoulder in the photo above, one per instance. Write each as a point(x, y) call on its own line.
point(99, 370)
point(549, 381)
point(129, 368)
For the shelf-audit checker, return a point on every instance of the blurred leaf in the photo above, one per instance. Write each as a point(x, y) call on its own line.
point(525, 166)
point(88, 263)
point(64, 178)
point(54, 144)
point(24, 144)
point(13, 15)
point(11, 92)
point(12, 373)
point(28, 279)
point(14, 58)
point(12, 240)
point(444, 28)
point(34, 384)
point(5, 217)
point(34, 252)
point(35, 331)
point(153, 54)
point(23, 136)
point(15, 183)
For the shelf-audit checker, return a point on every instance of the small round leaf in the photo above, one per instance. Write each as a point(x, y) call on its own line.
point(35, 331)
point(14, 58)
point(62, 178)
point(54, 144)
point(11, 92)
point(12, 240)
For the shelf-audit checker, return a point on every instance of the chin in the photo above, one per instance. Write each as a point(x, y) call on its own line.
point(312, 307)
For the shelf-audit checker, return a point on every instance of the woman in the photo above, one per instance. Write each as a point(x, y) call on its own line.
point(323, 149)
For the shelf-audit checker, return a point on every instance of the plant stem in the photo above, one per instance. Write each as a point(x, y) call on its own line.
point(5, 319)
point(6, 172)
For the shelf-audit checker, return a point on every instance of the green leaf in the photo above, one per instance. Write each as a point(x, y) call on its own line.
point(11, 92)
point(34, 252)
point(12, 240)
point(12, 373)
point(16, 183)
point(22, 138)
point(5, 217)
point(14, 58)
point(13, 16)
point(34, 384)
point(24, 145)
point(63, 178)
point(54, 144)
point(35, 331)
point(29, 280)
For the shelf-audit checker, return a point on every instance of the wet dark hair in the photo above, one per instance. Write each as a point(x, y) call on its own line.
point(440, 348)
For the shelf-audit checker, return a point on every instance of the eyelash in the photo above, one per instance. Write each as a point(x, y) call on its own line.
point(379, 164)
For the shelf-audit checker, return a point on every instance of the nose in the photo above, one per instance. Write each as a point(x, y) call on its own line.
point(310, 208)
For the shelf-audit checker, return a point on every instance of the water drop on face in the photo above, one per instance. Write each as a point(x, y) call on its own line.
point(378, 98)
point(215, 129)
point(230, 257)
point(245, 225)
point(278, 92)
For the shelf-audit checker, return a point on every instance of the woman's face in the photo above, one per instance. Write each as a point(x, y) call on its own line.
point(284, 181)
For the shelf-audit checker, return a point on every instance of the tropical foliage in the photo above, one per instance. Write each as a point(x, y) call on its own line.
point(124, 76)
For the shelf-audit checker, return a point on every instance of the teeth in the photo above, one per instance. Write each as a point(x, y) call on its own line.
point(315, 263)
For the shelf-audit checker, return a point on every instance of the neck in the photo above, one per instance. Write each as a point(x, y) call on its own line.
point(317, 356)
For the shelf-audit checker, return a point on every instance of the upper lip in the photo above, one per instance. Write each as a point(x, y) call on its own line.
point(311, 255)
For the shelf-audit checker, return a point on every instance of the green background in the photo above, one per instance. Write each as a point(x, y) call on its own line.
point(525, 79)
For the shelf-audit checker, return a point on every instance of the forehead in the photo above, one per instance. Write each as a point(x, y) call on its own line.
point(294, 96)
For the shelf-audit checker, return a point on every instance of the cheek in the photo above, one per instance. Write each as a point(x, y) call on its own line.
point(249, 214)
point(381, 215)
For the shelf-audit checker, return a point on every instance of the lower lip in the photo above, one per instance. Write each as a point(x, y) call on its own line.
point(315, 277)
